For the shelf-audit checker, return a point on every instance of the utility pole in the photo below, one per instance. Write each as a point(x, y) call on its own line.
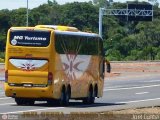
point(100, 21)
point(27, 15)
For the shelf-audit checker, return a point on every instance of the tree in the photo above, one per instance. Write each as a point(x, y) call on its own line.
point(18, 17)
point(54, 2)
point(4, 25)
point(101, 3)
point(123, 40)
point(81, 15)
point(154, 2)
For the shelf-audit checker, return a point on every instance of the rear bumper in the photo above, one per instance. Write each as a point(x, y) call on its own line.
point(28, 92)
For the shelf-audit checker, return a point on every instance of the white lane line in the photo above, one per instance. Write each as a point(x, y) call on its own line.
point(141, 93)
point(130, 88)
point(32, 110)
point(149, 81)
point(118, 86)
point(4, 98)
point(136, 101)
point(7, 104)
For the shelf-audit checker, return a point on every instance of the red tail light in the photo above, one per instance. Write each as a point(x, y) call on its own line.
point(50, 78)
point(6, 76)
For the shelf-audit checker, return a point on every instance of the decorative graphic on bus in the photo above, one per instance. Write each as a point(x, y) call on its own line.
point(28, 65)
point(75, 65)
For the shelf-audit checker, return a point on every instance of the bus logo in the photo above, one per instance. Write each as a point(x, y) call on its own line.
point(13, 42)
point(18, 37)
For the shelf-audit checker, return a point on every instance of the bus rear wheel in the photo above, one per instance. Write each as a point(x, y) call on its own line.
point(90, 98)
point(30, 102)
point(64, 99)
point(67, 97)
point(22, 101)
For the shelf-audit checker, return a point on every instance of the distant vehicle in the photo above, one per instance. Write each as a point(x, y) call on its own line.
point(53, 63)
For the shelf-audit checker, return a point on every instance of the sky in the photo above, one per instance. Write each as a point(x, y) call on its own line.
point(15, 4)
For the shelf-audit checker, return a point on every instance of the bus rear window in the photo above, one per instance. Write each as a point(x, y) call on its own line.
point(30, 38)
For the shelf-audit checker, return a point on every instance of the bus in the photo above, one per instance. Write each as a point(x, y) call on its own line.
point(53, 63)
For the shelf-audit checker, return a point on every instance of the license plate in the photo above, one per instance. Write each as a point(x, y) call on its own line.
point(27, 85)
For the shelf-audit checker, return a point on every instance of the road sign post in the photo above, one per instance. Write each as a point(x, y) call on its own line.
point(100, 21)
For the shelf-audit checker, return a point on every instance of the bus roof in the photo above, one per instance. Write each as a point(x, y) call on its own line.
point(64, 30)
point(58, 27)
point(67, 30)
point(76, 33)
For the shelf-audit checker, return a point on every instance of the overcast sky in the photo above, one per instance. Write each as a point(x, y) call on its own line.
point(14, 4)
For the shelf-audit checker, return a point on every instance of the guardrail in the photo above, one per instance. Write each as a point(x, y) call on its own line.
point(123, 61)
point(135, 61)
point(2, 78)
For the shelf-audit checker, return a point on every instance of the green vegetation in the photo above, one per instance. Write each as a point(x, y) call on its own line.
point(123, 40)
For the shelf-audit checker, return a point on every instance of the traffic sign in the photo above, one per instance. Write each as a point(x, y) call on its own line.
point(142, 12)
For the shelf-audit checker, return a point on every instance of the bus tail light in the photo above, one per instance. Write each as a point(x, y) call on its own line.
point(6, 76)
point(50, 78)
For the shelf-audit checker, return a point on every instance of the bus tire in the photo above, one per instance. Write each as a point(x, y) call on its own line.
point(20, 101)
point(67, 97)
point(62, 98)
point(30, 102)
point(52, 102)
point(90, 98)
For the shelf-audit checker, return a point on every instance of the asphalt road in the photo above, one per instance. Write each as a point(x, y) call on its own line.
point(118, 94)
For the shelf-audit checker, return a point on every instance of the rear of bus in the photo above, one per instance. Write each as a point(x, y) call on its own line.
point(27, 68)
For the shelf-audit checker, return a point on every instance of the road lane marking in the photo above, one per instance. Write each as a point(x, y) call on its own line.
point(136, 101)
point(141, 93)
point(7, 104)
point(130, 88)
point(118, 86)
point(32, 110)
point(149, 81)
point(4, 98)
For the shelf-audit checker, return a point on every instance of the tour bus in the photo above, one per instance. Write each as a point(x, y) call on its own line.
point(53, 63)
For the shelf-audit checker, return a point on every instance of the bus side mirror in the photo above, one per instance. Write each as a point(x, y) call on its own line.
point(108, 69)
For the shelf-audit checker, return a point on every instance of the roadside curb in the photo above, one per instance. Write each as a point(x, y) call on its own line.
point(149, 61)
